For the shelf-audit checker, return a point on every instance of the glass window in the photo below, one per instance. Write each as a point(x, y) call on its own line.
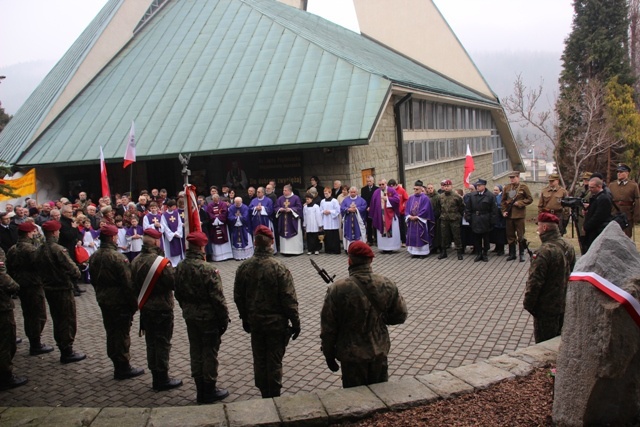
point(429, 114)
point(419, 149)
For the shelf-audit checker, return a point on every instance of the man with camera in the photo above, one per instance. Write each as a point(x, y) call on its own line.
point(551, 201)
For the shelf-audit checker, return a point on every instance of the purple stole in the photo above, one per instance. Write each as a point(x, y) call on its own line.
point(217, 233)
point(418, 233)
point(239, 235)
point(258, 218)
point(287, 223)
point(137, 228)
point(351, 226)
point(175, 245)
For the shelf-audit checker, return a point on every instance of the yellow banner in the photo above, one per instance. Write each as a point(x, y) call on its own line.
point(24, 186)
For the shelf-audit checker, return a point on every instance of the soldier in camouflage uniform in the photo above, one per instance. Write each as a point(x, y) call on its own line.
point(546, 290)
point(110, 274)
point(21, 262)
point(156, 311)
point(58, 274)
point(515, 199)
point(8, 287)
point(626, 197)
point(550, 201)
point(267, 302)
point(583, 193)
point(451, 210)
point(354, 321)
point(204, 308)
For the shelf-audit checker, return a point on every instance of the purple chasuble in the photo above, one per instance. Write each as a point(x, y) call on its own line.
point(419, 233)
point(258, 217)
point(287, 223)
point(173, 222)
point(351, 228)
point(239, 235)
point(218, 233)
point(381, 218)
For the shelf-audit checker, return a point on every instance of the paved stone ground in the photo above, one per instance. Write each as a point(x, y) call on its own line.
point(460, 312)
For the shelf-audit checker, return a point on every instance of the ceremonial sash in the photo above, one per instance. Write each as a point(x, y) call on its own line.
point(620, 295)
point(150, 281)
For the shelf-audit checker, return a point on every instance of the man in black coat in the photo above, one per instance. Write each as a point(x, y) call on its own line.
point(69, 238)
point(598, 213)
point(8, 232)
point(481, 212)
point(366, 193)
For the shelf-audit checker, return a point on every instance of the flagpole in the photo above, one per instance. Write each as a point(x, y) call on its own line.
point(131, 180)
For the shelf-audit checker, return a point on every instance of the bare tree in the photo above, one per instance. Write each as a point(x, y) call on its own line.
point(634, 40)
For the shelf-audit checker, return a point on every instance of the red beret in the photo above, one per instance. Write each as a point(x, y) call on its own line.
point(264, 231)
point(360, 248)
point(27, 227)
point(446, 182)
point(51, 226)
point(152, 232)
point(108, 230)
point(197, 238)
point(547, 217)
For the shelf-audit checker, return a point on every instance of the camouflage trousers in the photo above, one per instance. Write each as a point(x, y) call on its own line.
point(7, 340)
point(268, 351)
point(34, 311)
point(117, 325)
point(450, 230)
point(365, 372)
point(62, 307)
point(204, 344)
point(158, 330)
point(547, 327)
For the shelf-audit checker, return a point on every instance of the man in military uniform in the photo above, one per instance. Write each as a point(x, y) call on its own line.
point(515, 198)
point(451, 210)
point(626, 197)
point(21, 262)
point(354, 321)
point(204, 309)
point(58, 274)
point(481, 211)
point(8, 287)
point(267, 302)
point(550, 198)
point(584, 194)
point(546, 290)
point(110, 273)
point(155, 301)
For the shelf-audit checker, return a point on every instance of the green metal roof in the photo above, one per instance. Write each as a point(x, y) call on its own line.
point(205, 76)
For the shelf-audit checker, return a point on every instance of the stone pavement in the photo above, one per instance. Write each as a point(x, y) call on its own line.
point(460, 313)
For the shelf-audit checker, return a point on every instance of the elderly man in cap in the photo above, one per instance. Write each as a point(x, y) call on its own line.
point(354, 321)
point(204, 309)
point(21, 260)
point(550, 201)
point(626, 197)
point(268, 306)
point(58, 274)
point(546, 289)
point(515, 199)
point(110, 273)
point(451, 210)
point(481, 211)
point(154, 281)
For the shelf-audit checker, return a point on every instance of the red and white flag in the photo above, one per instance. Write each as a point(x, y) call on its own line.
point(468, 167)
point(130, 154)
point(103, 176)
point(191, 212)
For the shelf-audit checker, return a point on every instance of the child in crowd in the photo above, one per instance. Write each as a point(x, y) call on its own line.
point(312, 224)
point(134, 238)
point(123, 245)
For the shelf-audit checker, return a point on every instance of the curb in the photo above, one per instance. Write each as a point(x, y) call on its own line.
point(303, 409)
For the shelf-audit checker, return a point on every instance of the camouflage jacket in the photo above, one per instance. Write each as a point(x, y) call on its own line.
point(354, 328)
point(56, 269)
point(161, 297)
point(22, 266)
point(451, 206)
point(546, 289)
point(8, 286)
point(199, 290)
point(264, 293)
point(111, 277)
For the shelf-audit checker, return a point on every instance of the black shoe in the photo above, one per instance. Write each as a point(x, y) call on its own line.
point(460, 257)
point(478, 258)
point(162, 382)
point(40, 349)
point(500, 253)
point(71, 357)
point(127, 371)
point(10, 381)
point(443, 254)
point(521, 256)
point(210, 393)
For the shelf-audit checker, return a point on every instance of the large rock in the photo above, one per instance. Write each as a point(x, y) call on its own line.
point(598, 367)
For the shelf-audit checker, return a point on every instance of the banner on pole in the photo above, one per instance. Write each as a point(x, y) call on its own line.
point(23, 186)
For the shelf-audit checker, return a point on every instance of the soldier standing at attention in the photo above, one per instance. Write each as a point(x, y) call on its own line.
point(451, 210)
point(154, 281)
point(515, 198)
point(204, 309)
point(21, 262)
point(354, 321)
point(267, 302)
point(546, 290)
point(8, 287)
point(111, 277)
point(550, 197)
point(626, 197)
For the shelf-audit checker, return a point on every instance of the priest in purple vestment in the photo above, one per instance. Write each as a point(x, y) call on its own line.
point(172, 234)
point(354, 218)
point(384, 211)
point(219, 244)
point(289, 213)
point(239, 223)
point(420, 222)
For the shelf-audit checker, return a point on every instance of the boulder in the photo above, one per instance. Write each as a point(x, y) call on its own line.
point(598, 366)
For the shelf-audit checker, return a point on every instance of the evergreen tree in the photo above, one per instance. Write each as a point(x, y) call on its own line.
point(4, 118)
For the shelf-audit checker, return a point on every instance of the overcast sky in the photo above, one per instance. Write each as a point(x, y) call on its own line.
point(33, 30)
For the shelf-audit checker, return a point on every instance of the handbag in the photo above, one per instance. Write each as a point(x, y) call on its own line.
point(82, 255)
point(620, 217)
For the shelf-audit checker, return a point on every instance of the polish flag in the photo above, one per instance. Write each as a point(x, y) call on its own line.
point(130, 154)
point(191, 212)
point(103, 176)
point(468, 167)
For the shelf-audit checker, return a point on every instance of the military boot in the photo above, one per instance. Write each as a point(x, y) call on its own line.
point(8, 380)
point(521, 251)
point(484, 256)
point(124, 371)
point(162, 382)
point(36, 348)
point(211, 393)
point(512, 252)
point(443, 254)
point(67, 355)
point(199, 389)
point(460, 252)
